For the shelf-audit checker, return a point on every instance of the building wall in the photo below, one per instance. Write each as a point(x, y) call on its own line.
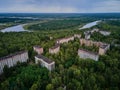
point(86, 55)
point(54, 51)
point(38, 50)
point(90, 43)
point(102, 51)
point(105, 33)
point(11, 61)
point(77, 36)
point(50, 66)
point(87, 36)
point(65, 40)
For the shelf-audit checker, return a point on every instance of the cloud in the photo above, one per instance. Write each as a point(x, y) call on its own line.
point(106, 6)
point(60, 6)
point(51, 9)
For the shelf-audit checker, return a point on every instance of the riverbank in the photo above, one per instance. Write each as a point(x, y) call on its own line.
point(18, 28)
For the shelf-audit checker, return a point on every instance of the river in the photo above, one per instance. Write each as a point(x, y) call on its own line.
point(91, 24)
point(18, 28)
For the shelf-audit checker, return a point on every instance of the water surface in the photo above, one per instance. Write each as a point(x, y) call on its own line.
point(89, 25)
point(18, 28)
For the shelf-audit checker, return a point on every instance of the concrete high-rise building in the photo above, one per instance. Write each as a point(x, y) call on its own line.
point(55, 49)
point(38, 49)
point(105, 33)
point(45, 62)
point(103, 49)
point(65, 40)
point(87, 35)
point(77, 36)
point(87, 54)
point(12, 59)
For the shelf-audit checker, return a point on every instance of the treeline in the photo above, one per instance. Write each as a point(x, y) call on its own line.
point(15, 20)
point(58, 24)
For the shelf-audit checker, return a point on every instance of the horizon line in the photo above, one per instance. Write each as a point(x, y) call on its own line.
point(55, 13)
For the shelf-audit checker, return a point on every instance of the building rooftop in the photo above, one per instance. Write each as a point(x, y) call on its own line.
point(45, 59)
point(105, 31)
point(86, 51)
point(104, 46)
point(56, 46)
point(77, 34)
point(64, 38)
point(36, 46)
point(11, 55)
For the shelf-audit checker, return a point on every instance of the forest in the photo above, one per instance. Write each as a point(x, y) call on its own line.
point(60, 24)
point(71, 72)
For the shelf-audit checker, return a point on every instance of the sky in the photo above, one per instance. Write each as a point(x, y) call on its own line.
point(59, 6)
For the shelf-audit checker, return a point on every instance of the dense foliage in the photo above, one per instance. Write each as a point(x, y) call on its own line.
point(26, 77)
point(112, 26)
point(71, 72)
point(57, 24)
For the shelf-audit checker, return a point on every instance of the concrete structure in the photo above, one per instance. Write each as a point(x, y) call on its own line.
point(55, 49)
point(94, 30)
point(45, 62)
point(87, 35)
point(90, 43)
point(65, 40)
point(105, 33)
point(38, 49)
point(87, 54)
point(77, 35)
point(103, 49)
point(51, 38)
point(12, 59)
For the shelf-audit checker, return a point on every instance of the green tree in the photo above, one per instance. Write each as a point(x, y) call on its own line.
point(34, 87)
point(49, 87)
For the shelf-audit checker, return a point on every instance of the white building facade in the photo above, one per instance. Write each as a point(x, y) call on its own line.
point(87, 54)
point(55, 49)
point(65, 40)
point(45, 62)
point(38, 49)
point(77, 36)
point(12, 59)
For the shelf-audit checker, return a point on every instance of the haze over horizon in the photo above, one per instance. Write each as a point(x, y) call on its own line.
point(61, 6)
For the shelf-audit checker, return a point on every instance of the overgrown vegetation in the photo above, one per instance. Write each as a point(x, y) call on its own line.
point(57, 24)
point(71, 71)
point(112, 26)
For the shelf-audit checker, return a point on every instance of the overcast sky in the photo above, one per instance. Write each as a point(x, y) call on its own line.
point(59, 6)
